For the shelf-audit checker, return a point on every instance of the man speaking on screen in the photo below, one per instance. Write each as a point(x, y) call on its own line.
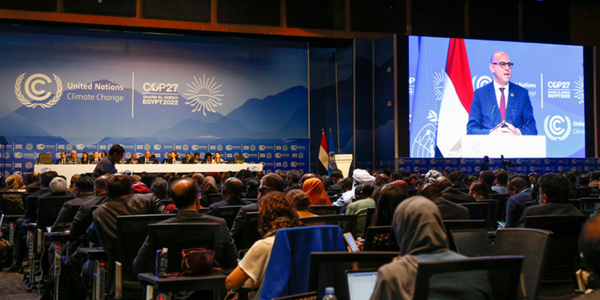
point(501, 107)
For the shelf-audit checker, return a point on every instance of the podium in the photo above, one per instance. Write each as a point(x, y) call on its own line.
point(511, 146)
point(342, 162)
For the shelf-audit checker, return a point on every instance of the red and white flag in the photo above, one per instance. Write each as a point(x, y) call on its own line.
point(323, 156)
point(457, 96)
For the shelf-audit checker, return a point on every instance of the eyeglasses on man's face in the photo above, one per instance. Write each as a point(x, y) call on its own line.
point(504, 64)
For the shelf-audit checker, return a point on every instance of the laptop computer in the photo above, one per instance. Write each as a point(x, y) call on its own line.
point(361, 283)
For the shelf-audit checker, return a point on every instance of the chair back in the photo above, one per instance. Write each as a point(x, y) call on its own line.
point(48, 209)
point(473, 242)
point(249, 200)
point(441, 277)
point(369, 217)
point(322, 210)
point(203, 210)
point(346, 222)
point(533, 245)
point(288, 270)
point(576, 203)
point(563, 254)
point(31, 205)
point(494, 213)
point(329, 269)
point(228, 213)
point(582, 192)
point(450, 225)
point(11, 203)
point(66, 225)
point(132, 231)
point(176, 237)
point(45, 159)
point(589, 203)
point(502, 199)
point(380, 238)
point(250, 233)
point(478, 210)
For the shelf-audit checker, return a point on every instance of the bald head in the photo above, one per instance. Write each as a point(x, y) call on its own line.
point(184, 193)
point(501, 74)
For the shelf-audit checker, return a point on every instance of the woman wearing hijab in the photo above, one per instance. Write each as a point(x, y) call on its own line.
point(315, 190)
point(422, 238)
point(209, 186)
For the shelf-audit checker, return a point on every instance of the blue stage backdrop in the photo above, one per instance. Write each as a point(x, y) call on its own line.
point(86, 90)
point(552, 74)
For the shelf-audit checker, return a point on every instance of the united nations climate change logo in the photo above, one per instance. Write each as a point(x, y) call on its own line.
point(554, 127)
point(203, 94)
point(483, 80)
point(35, 93)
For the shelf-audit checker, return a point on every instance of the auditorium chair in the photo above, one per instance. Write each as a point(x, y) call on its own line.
point(228, 212)
point(250, 233)
point(502, 273)
point(450, 225)
point(369, 217)
point(502, 199)
point(380, 238)
point(562, 260)
point(328, 269)
point(322, 210)
point(589, 203)
point(346, 222)
point(495, 214)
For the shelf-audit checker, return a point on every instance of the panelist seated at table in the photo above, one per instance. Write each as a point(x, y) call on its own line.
point(133, 159)
point(208, 158)
point(188, 159)
point(63, 159)
point(148, 158)
point(501, 107)
point(73, 159)
point(95, 159)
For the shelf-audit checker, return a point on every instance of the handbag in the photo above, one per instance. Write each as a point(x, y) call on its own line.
point(196, 261)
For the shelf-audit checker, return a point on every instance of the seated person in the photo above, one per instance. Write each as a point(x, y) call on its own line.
point(188, 159)
point(449, 210)
point(133, 159)
point(422, 238)
point(232, 192)
point(186, 198)
point(387, 198)
point(209, 186)
point(450, 193)
point(148, 158)
point(315, 190)
point(13, 203)
point(589, 245)
point(63, 159)
point(479, 190)
point(218, 158)
point(207, 158)
point(554, 199)
point(302, 203)
point(275, 211)
point(197, 158)
point(519, 192)
point(84, 191)
point(73, 159)
point(359, 207)
point(95, 159)
point(159, 188)
point(85, 158)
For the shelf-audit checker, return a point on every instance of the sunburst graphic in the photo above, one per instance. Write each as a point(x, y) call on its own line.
point(579, 90)
point(203, 94)
point(438, 83)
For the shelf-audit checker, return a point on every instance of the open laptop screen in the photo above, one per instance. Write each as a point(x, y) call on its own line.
point(361, 284)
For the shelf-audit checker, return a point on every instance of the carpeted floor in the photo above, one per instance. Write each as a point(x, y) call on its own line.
point(12, 287)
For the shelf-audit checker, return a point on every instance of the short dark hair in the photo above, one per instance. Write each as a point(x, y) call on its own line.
point(233, 187)
point(347, 183)
point(431, 191)
point(159, 187)
point(555, 187)
point(517, 183)
point(186, 197)
point(337, 173)
point(46, 177)
point(502, 176)
point(85, 183)
point(273, 181)
point(116, 149)
point(147, 178)
point(118, 185)
point(300, 198)
point(589, 243)
point(363, 191)
point(294, 175)
point(395, 176)
point(487, 177)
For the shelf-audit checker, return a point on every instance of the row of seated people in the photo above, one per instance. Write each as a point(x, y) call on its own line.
point(147, 158)
point(314, 189)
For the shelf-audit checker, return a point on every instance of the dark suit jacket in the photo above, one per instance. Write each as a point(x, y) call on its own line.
point(456, 196)
point(83, 218)
point(515, 205)
point(225, 251)
point(142, 160)
point(70, 160)
point(294, 186)
point(485, 113)
point(64, 216)
point(452, 211)
point(212, 209)
point(129, 161)
point(237, 229)
point(565, 209)
point(60, 162)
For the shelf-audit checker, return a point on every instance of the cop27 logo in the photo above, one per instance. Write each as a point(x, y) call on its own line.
point(555, 129)
point(35, 92)
point(203, 94)
point(483, 80)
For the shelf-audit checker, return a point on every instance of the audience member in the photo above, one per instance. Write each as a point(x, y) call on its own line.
point(209, 186)
point(232, 192)
point(269, 183)
point(554, 199)
point(449, 210)
point(479, 190)
point(302, 203)
point(452, 194)
point(83, 219)
point(387, 198)
point(84, 191)
point(488, 178)
point(359, 176)
point(422, 238)
point(336, 188)
point(500, 184)
point(13, 203)
point(73, 183)
point(292, 179)
point(160, 188)
point(519, 192)
point(314, 188)
point(185, 196)
point(359, 207)
point(276, 211)
point(589, 245)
